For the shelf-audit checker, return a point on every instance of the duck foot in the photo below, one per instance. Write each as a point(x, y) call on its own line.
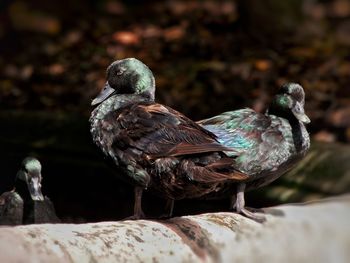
point(239, 205)
point(253, 216)
point(255, 210)
point(135, 217)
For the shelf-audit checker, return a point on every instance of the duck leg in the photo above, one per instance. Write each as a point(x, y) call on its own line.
point(138, 213)
point(240, 205)
point(169, 208)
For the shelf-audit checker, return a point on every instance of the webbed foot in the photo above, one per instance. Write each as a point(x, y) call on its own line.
point(135, 216)
point(239, 205)
point(253, 216)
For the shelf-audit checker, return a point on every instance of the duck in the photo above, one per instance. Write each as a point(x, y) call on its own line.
point(25, 204)
point(267, 144)
point(155, 147)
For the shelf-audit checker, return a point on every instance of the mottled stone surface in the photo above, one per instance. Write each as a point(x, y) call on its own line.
point(314, 232)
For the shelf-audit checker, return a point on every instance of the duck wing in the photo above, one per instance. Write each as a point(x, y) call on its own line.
point(11, 208)
point(240, 129)
point(144, 133)
point(261, 141)
point(160, 131)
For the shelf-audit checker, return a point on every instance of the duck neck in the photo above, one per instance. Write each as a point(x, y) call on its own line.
point(21, 188)
point(117, 102)
point(300, 135)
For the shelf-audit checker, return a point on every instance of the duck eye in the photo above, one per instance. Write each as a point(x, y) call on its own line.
point(120, 72)
point(297, 107)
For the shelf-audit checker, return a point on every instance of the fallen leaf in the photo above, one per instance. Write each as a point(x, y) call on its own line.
point(56, 69)
point(340, 8)
point(174, 33)
point(72, 38)
point(126, 38)
point(324, 136)
point(343, 69)
point(302, 52)
point(316, 11)
point(263, 64)
point(26, 72)
point(340, 117)
point(114, 7)
point(24, 18)
point(181, 7)
point(151, 31)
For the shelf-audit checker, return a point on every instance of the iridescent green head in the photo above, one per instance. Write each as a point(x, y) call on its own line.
point(127, 76)
point(290, 99)
point(30, 175)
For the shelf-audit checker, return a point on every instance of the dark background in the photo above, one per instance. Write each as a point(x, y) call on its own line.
point(207, 57)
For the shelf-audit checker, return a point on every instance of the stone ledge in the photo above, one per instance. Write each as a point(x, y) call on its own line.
point(312, 232)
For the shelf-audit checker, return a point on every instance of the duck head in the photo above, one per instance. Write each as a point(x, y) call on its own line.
point(29, 176)
point(127, 76)
point(290, 100)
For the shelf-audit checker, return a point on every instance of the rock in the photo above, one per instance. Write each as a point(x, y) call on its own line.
point(313, 232)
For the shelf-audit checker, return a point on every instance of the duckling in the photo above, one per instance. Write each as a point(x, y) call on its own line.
point(25, 204)
point(267, 145)
point(156, 147)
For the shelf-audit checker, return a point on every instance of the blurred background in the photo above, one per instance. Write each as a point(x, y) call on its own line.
point(207, 57)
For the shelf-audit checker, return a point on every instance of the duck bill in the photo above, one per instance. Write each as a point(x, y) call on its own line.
point(301, 116)
point(105, 93)
point(35, 189)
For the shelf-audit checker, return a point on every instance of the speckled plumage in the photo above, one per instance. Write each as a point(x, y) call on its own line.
point(156, 147)
point(25, 204)
point(11, 209)
point(267, 145)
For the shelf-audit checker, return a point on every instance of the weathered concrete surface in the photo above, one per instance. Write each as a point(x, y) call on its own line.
point(314, 232)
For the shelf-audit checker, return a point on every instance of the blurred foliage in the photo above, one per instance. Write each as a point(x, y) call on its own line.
point(207, 56)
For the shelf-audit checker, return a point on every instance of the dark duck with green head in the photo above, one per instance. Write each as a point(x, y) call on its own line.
point(156, 147)
point(25, 204)
point(267, 145)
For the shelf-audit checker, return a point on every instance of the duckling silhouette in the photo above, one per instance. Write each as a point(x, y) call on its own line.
point(25, 204)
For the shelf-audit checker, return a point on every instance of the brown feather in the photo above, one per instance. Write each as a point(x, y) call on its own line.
point(186, 149)
point(222, 164)
point(159, 131)
point(204, 175)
